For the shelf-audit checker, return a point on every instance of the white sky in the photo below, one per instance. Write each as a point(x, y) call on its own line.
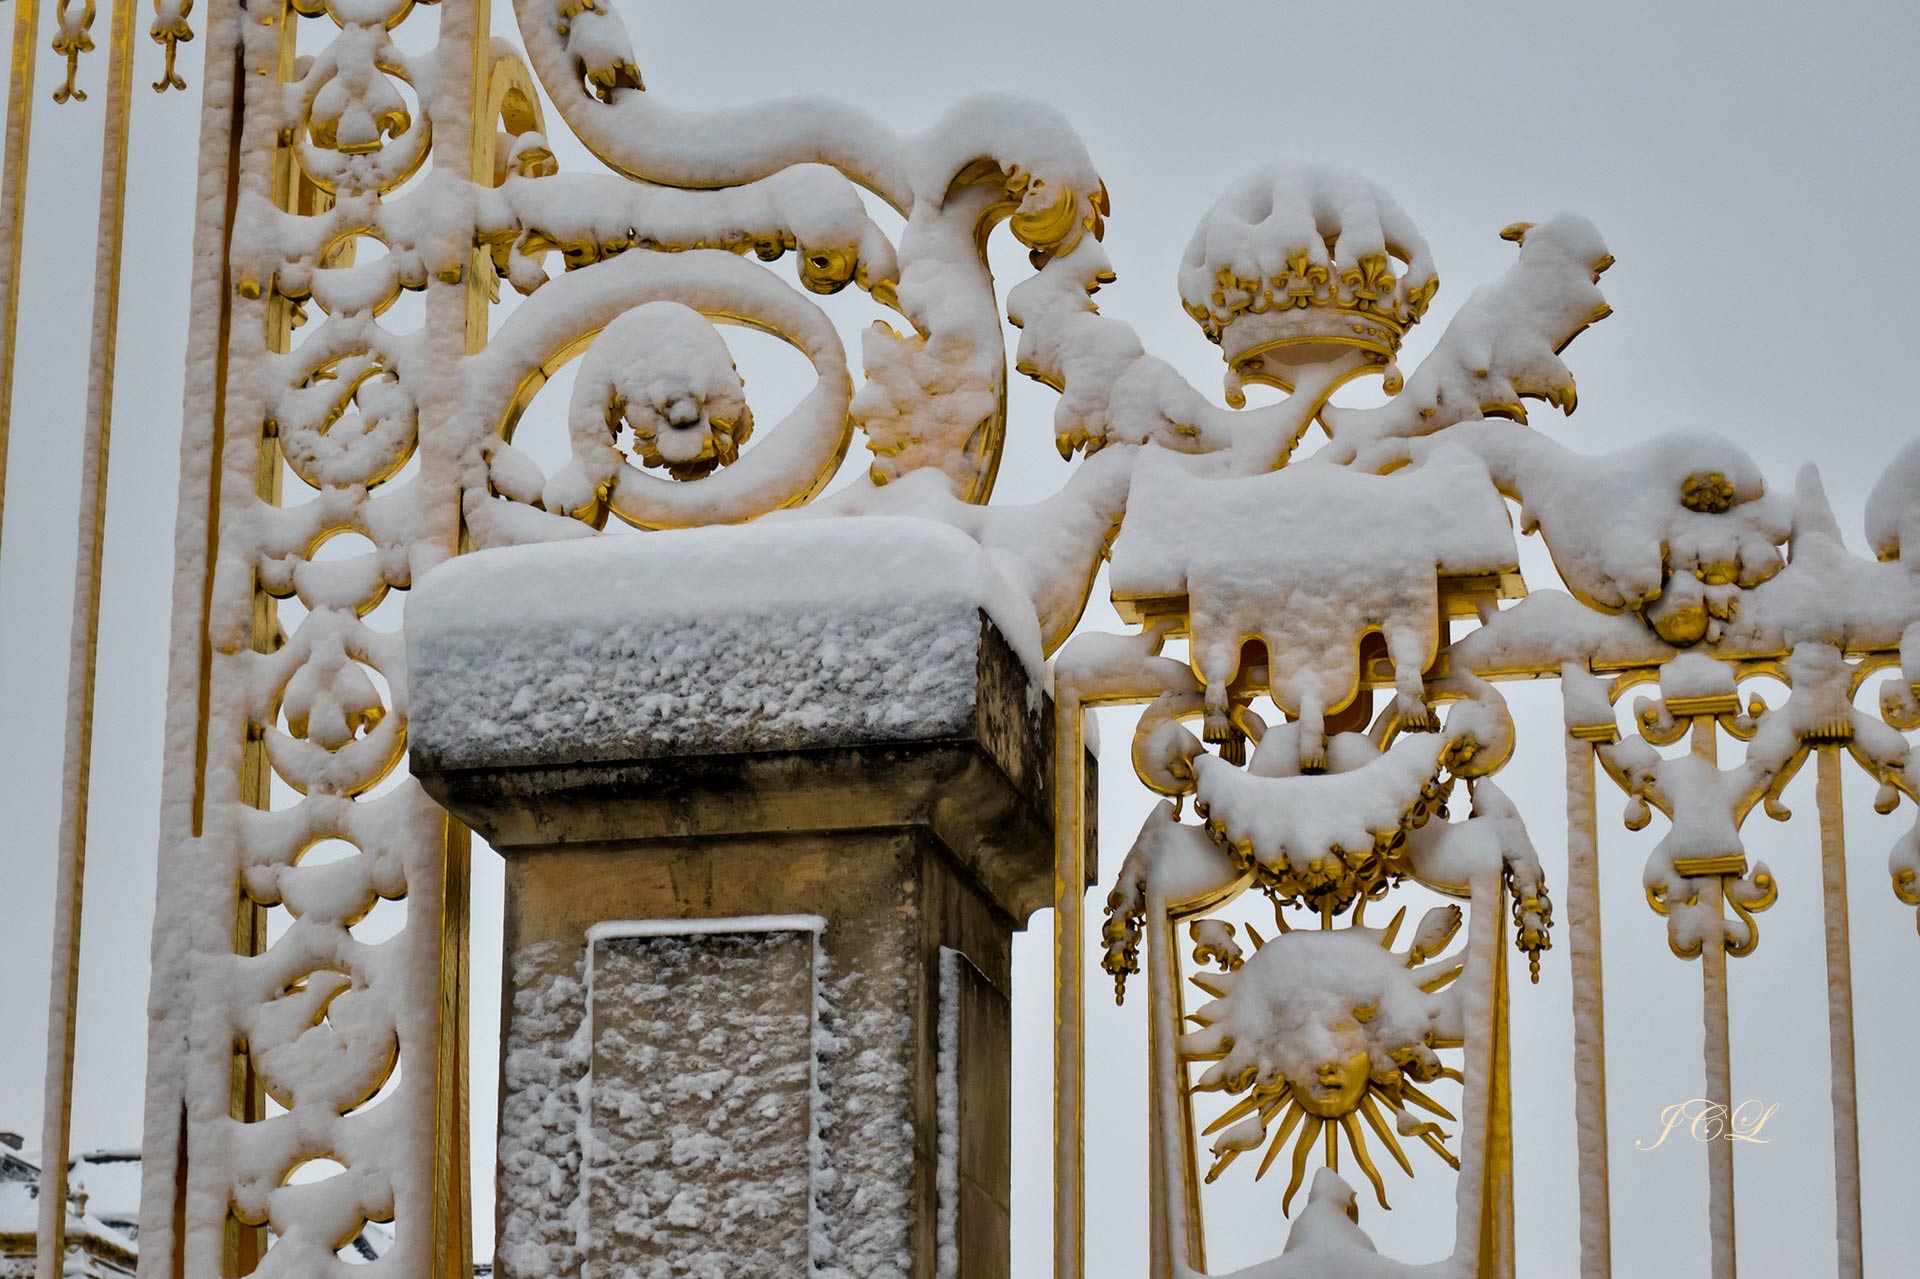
point(1750, 167)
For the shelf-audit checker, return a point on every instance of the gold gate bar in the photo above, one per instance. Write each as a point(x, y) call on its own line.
point(1718, 1054)
point(456, 326)
point(165, 1136)
point(63, 984)
point(1069, 998)
point(1589, 1009)
point(1846, 1122)
point(13, 206)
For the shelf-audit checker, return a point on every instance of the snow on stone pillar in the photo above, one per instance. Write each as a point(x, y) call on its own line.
point(772, 801)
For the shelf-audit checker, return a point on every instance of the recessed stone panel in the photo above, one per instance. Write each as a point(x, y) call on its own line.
point(700, 1034)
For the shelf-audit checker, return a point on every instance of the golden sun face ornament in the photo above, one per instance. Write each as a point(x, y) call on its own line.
point(1318, 1031)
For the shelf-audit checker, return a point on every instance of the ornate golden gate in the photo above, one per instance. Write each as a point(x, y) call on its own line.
point(357, 152)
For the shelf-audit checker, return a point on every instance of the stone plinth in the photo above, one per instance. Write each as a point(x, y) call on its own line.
point(766, 846)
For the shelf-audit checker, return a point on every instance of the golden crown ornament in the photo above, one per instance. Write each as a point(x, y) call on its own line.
point(1298, 263)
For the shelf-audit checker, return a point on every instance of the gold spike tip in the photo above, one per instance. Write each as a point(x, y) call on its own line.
point(1220, 1165)
point(1302, 1149)
point(1293, 1116)
point(1452, 1161)
point(1411, 1127)
point(1211, 983)
point(1370, 1111)
point(1358, 1144)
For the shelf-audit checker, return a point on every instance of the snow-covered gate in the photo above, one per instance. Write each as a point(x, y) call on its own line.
point(355, 153)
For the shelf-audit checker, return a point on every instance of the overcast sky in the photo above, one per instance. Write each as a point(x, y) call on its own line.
point(1751, 169)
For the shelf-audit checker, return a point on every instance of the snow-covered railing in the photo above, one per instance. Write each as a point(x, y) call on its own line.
point(306, 1055)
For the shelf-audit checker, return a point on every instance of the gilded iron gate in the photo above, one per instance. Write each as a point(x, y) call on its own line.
point(365, 160)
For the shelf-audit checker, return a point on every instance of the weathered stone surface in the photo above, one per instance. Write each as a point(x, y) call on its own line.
point(698, 1099)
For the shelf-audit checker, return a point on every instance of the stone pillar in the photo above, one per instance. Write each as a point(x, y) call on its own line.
point(757, 952)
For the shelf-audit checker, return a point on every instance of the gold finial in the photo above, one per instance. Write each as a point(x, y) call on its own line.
point(170, 29)
point(74, 38)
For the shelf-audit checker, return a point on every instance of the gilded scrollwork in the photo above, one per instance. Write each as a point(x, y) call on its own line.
point(328, 506)
point(349, 420)
point(935, 395)
point(643, 321)
point(1706, 805)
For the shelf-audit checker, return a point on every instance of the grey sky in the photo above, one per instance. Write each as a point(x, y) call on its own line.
point(1750, 167)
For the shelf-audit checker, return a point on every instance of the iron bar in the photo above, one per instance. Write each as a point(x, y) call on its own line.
point(63, 983)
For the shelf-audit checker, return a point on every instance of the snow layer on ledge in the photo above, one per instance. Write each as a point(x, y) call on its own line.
point(1317, 521)
point(774, 636)
point(1317, 556)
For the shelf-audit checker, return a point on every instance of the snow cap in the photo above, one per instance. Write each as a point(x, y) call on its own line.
point(776, 635)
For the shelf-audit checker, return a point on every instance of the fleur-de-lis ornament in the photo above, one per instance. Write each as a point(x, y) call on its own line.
point(74, 38)
point(170, 28)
